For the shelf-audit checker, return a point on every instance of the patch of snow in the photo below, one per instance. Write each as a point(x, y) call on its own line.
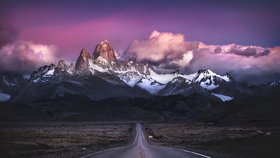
point(9, 84)
point(274, 84)
point(226, 78)
point(165, 78)
point(131, 81)
point(189, 77)
point(97, 67)
point(49, 73)
point(26, 76)
point(70, 70)
point(162, 78)
point(223, 97)
point(150, 85)
point(208, 86)
point(4, 97)
point(36, 80)
point(103, 60)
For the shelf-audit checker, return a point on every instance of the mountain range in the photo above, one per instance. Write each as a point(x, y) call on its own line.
point(98, 77)
point(91, 73)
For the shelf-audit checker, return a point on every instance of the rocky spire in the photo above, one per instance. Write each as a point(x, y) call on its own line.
point(82, 61)
point(61, 65)
point(104, 50)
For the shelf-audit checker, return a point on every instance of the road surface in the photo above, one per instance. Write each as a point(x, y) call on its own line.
point(141, 149)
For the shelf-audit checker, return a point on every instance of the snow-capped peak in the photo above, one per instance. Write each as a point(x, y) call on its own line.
point(43, 74)
point(209, 73)
point(209, 80)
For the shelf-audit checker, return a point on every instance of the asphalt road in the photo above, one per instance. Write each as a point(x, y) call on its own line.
point(141, 149)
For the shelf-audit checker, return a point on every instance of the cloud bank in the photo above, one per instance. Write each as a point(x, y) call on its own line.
point(163, 49)
point(23, 56)
point(250, 64)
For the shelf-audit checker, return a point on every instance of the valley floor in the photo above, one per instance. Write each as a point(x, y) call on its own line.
point(57, 140)
point(218, 141)
point(76, 139)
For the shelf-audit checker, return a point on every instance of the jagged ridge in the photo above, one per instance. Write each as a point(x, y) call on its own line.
point(103, 64)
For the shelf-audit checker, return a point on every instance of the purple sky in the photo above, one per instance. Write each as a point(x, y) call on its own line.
point(71, 25)
point(162, 32)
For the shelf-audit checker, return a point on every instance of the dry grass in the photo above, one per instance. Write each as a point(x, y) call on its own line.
point(217, 141)
point(61, 139)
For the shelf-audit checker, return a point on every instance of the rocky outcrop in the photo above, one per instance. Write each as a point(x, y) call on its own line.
point(104, 50)
point(60, 67)
point(42, 73)
point(82, 61)
point(71, 69)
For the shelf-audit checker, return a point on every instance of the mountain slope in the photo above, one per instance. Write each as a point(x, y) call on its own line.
point(92, 87)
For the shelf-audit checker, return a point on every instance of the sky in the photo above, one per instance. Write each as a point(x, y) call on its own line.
point(61, 28)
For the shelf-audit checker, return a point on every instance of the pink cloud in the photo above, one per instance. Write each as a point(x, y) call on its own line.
point(26, 56)
point(161, 47)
